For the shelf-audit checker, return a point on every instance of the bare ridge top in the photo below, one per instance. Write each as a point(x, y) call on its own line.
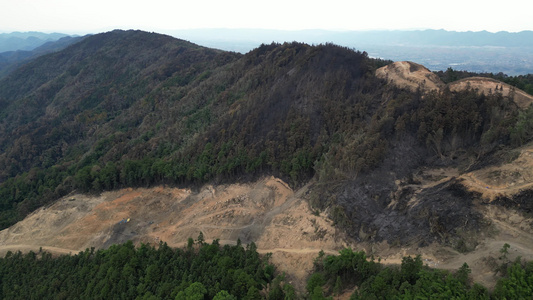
point(410, 75)
point(489, 85)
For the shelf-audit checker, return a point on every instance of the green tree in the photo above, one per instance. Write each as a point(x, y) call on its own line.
point(337, 289)
point(252, 294)
point(318, 294)
point(316, 280)
point(289, 291)
point(200, 238)
point(196, 291)
point(410, 268)
point(224, 295)
point(518, 284)
point(504, 251)
point(463, 274)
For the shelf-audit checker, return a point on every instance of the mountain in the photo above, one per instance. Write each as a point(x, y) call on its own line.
point(383, 159)
point(11, 60)
point(62, 98)
point(26, 41)
point(446, 38)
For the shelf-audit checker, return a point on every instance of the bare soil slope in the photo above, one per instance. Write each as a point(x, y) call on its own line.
point(488, 85)
point(505, 180)
point(268, 212)
point(508, 224)
point(410, 75)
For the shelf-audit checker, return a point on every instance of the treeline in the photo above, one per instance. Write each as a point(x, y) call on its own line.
point(199, 271)
point(26, 192)
point(335, 275)
point(212, 271)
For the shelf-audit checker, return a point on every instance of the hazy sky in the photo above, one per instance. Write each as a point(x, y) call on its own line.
point(83, 16)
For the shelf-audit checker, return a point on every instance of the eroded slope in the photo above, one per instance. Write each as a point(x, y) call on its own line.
point(410, 75)
point(488, 85)
point(268, 212)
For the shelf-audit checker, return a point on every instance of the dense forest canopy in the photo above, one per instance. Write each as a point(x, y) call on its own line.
point(200, 271)
point(211, 271)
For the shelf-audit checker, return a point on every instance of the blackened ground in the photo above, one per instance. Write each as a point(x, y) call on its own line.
point(521, 201)
point(398, 214)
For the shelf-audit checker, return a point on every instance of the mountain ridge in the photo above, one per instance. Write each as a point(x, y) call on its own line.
point(11, 60)
point(26, 41)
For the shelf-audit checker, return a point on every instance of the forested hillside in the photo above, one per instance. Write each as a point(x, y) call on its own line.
point(411, 280)
point(58, 111)
point(211, 271)
point(200, 271)
point(130, 109)
point(100, 115)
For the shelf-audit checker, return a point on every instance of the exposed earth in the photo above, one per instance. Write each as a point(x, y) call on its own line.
point(410, 75)
point(272, 215)
point(267, 212)
point(488, 85)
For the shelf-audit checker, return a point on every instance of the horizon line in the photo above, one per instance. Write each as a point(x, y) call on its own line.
point(102, 30)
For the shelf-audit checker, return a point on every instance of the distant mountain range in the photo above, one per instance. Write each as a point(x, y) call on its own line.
point(10, 60)
point(374, 37)
point(510, 53)
point(26, 40)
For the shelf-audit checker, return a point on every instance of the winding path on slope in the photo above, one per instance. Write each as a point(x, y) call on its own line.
point(27, 248)
point(490, 191)
point(62, 251)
